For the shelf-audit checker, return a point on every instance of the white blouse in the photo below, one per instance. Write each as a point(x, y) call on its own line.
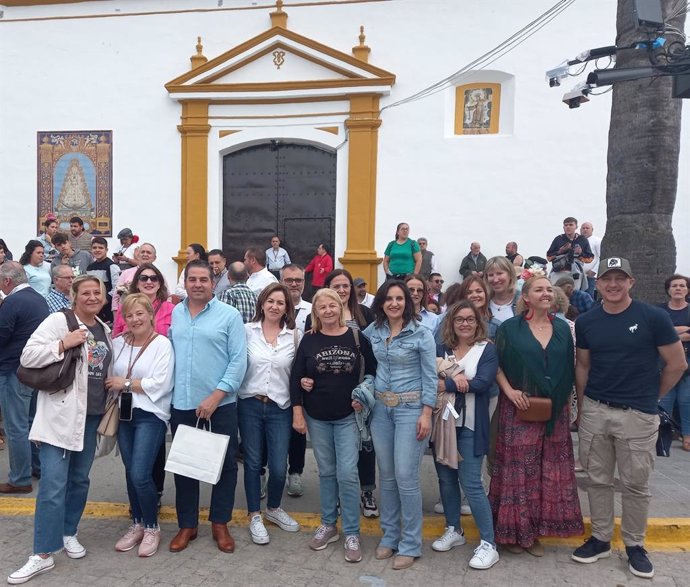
point(268, 366)
point(155, 368)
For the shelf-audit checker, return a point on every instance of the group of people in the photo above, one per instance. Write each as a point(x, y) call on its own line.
point(488, 382)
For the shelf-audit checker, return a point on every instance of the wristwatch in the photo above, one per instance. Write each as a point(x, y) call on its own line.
point(128, 385)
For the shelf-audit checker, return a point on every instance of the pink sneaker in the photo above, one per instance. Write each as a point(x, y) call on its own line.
point(131, 538)
point(150, 542)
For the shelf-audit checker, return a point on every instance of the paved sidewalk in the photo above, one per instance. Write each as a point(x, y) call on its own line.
point(288, 561)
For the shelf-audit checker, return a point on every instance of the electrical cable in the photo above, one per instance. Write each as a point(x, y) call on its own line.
point(487, 58)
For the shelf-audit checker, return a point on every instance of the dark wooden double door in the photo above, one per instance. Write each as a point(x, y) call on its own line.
point(279, 188)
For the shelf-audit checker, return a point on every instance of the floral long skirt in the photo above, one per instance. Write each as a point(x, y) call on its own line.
point(533, 488)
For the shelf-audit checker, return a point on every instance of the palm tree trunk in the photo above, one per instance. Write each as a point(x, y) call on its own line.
point(644, 144)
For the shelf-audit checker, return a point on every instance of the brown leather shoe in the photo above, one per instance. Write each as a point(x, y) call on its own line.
point(401, 562)
point(383, 552)
point(9, 488)
point(182, 539)
point(225, 542)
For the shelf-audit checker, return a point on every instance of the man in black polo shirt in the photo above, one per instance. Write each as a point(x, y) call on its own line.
point(618, 387)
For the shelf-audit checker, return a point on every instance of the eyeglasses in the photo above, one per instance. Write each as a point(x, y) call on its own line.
point(416, 290)
point(439, 281)
point(152, 278)
point(64, 277)
point(460, 320)
point(293, 280)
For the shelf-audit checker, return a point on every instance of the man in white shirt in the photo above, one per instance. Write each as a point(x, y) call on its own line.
point(292, 277)
point(363, 296)
point(587, 230)
point(276, 257)
point(259, 276)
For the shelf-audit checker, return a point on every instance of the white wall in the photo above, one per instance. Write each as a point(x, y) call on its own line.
point(108, 73)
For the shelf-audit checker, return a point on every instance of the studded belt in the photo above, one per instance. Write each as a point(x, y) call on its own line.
point(392, 399)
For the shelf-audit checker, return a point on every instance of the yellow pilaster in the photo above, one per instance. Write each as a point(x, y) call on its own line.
point(360, 257)
point(194, 194)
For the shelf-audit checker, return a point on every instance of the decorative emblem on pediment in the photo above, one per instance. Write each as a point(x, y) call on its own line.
point(278, 58)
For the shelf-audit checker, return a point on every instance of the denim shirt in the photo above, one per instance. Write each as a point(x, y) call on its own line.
point(210, 353)
point(408, 362)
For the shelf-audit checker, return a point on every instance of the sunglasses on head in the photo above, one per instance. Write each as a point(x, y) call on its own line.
point(153, 278)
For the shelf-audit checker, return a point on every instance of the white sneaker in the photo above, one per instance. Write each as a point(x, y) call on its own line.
point(294, 485)
point(485, 556)
point(438, 507)
point(35, 566)
point(449, 539)
point(73, 547)
point(258, 530)
point(282, 519)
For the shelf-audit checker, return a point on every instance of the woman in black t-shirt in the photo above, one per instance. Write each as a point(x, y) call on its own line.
point(325, 371)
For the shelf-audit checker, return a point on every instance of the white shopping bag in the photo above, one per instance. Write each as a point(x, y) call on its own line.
point(197, 453)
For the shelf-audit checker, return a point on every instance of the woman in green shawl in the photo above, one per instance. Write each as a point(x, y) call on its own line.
point(533, 489)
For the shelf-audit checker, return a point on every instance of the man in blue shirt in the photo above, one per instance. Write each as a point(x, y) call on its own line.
point(579, 299)
point(618, 385)
point(211, 359)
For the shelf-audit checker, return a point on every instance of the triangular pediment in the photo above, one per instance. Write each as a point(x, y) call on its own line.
point(280, 60)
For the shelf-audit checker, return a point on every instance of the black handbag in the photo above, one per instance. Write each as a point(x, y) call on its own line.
point(59, 375)
point(667, 426)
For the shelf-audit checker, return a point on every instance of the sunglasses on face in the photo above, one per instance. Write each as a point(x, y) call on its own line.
point(151, 278)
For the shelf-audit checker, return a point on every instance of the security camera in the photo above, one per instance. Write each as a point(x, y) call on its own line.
point(577, 96)
point(556, 74)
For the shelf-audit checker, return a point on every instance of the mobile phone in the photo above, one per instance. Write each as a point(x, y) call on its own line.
point(126, 406)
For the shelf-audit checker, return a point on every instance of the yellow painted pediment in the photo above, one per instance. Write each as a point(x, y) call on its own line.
point(280, 60)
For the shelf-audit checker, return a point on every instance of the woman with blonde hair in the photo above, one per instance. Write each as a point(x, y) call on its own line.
point(326, 370)
point(143, 367)
point(533, 489)
point(500, 277)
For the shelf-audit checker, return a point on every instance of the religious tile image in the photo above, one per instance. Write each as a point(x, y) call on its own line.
point(480, 109)
point(75, 178)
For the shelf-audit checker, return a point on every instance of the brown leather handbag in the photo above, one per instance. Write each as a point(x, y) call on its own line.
point(539, 409)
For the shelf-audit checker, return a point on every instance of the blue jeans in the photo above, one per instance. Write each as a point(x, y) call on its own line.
point(264, 426)
point(399, 455)
point(15, 402)
point(140, 440)
point(469, 472)
point(223, 421)
point(63, 490)
point(680, 393)
point(336, 449)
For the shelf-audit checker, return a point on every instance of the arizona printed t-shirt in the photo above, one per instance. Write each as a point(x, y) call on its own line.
point(99, 361)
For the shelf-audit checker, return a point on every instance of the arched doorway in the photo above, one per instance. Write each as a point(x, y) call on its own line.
point(280, 188)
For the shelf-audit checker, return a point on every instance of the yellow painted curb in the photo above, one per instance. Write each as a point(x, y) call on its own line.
point(663, 534)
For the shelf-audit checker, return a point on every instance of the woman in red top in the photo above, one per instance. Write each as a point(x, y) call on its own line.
point(320, 266)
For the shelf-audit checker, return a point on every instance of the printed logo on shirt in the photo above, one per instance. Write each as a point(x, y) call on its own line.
point(633, 328)
point(98, 351)
point(336, 360)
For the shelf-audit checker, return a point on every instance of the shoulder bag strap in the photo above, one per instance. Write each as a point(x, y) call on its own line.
point(355, 333)
point(72, 322)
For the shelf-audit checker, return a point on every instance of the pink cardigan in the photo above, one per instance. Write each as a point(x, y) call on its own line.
point(162, 319)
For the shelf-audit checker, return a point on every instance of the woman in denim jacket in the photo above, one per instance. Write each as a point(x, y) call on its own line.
point(401, 420)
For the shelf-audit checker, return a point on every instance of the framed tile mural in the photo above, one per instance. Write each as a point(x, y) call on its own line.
point(477, 109)
point(75, 178)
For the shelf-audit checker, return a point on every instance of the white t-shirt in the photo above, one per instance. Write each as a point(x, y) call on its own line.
point(469, 362)
point(501, 312)
point(595, 245)
point(368, 300)
point(156, 369)
point(259, 280)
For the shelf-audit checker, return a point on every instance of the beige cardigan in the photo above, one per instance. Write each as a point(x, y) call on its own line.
point(60, 416)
